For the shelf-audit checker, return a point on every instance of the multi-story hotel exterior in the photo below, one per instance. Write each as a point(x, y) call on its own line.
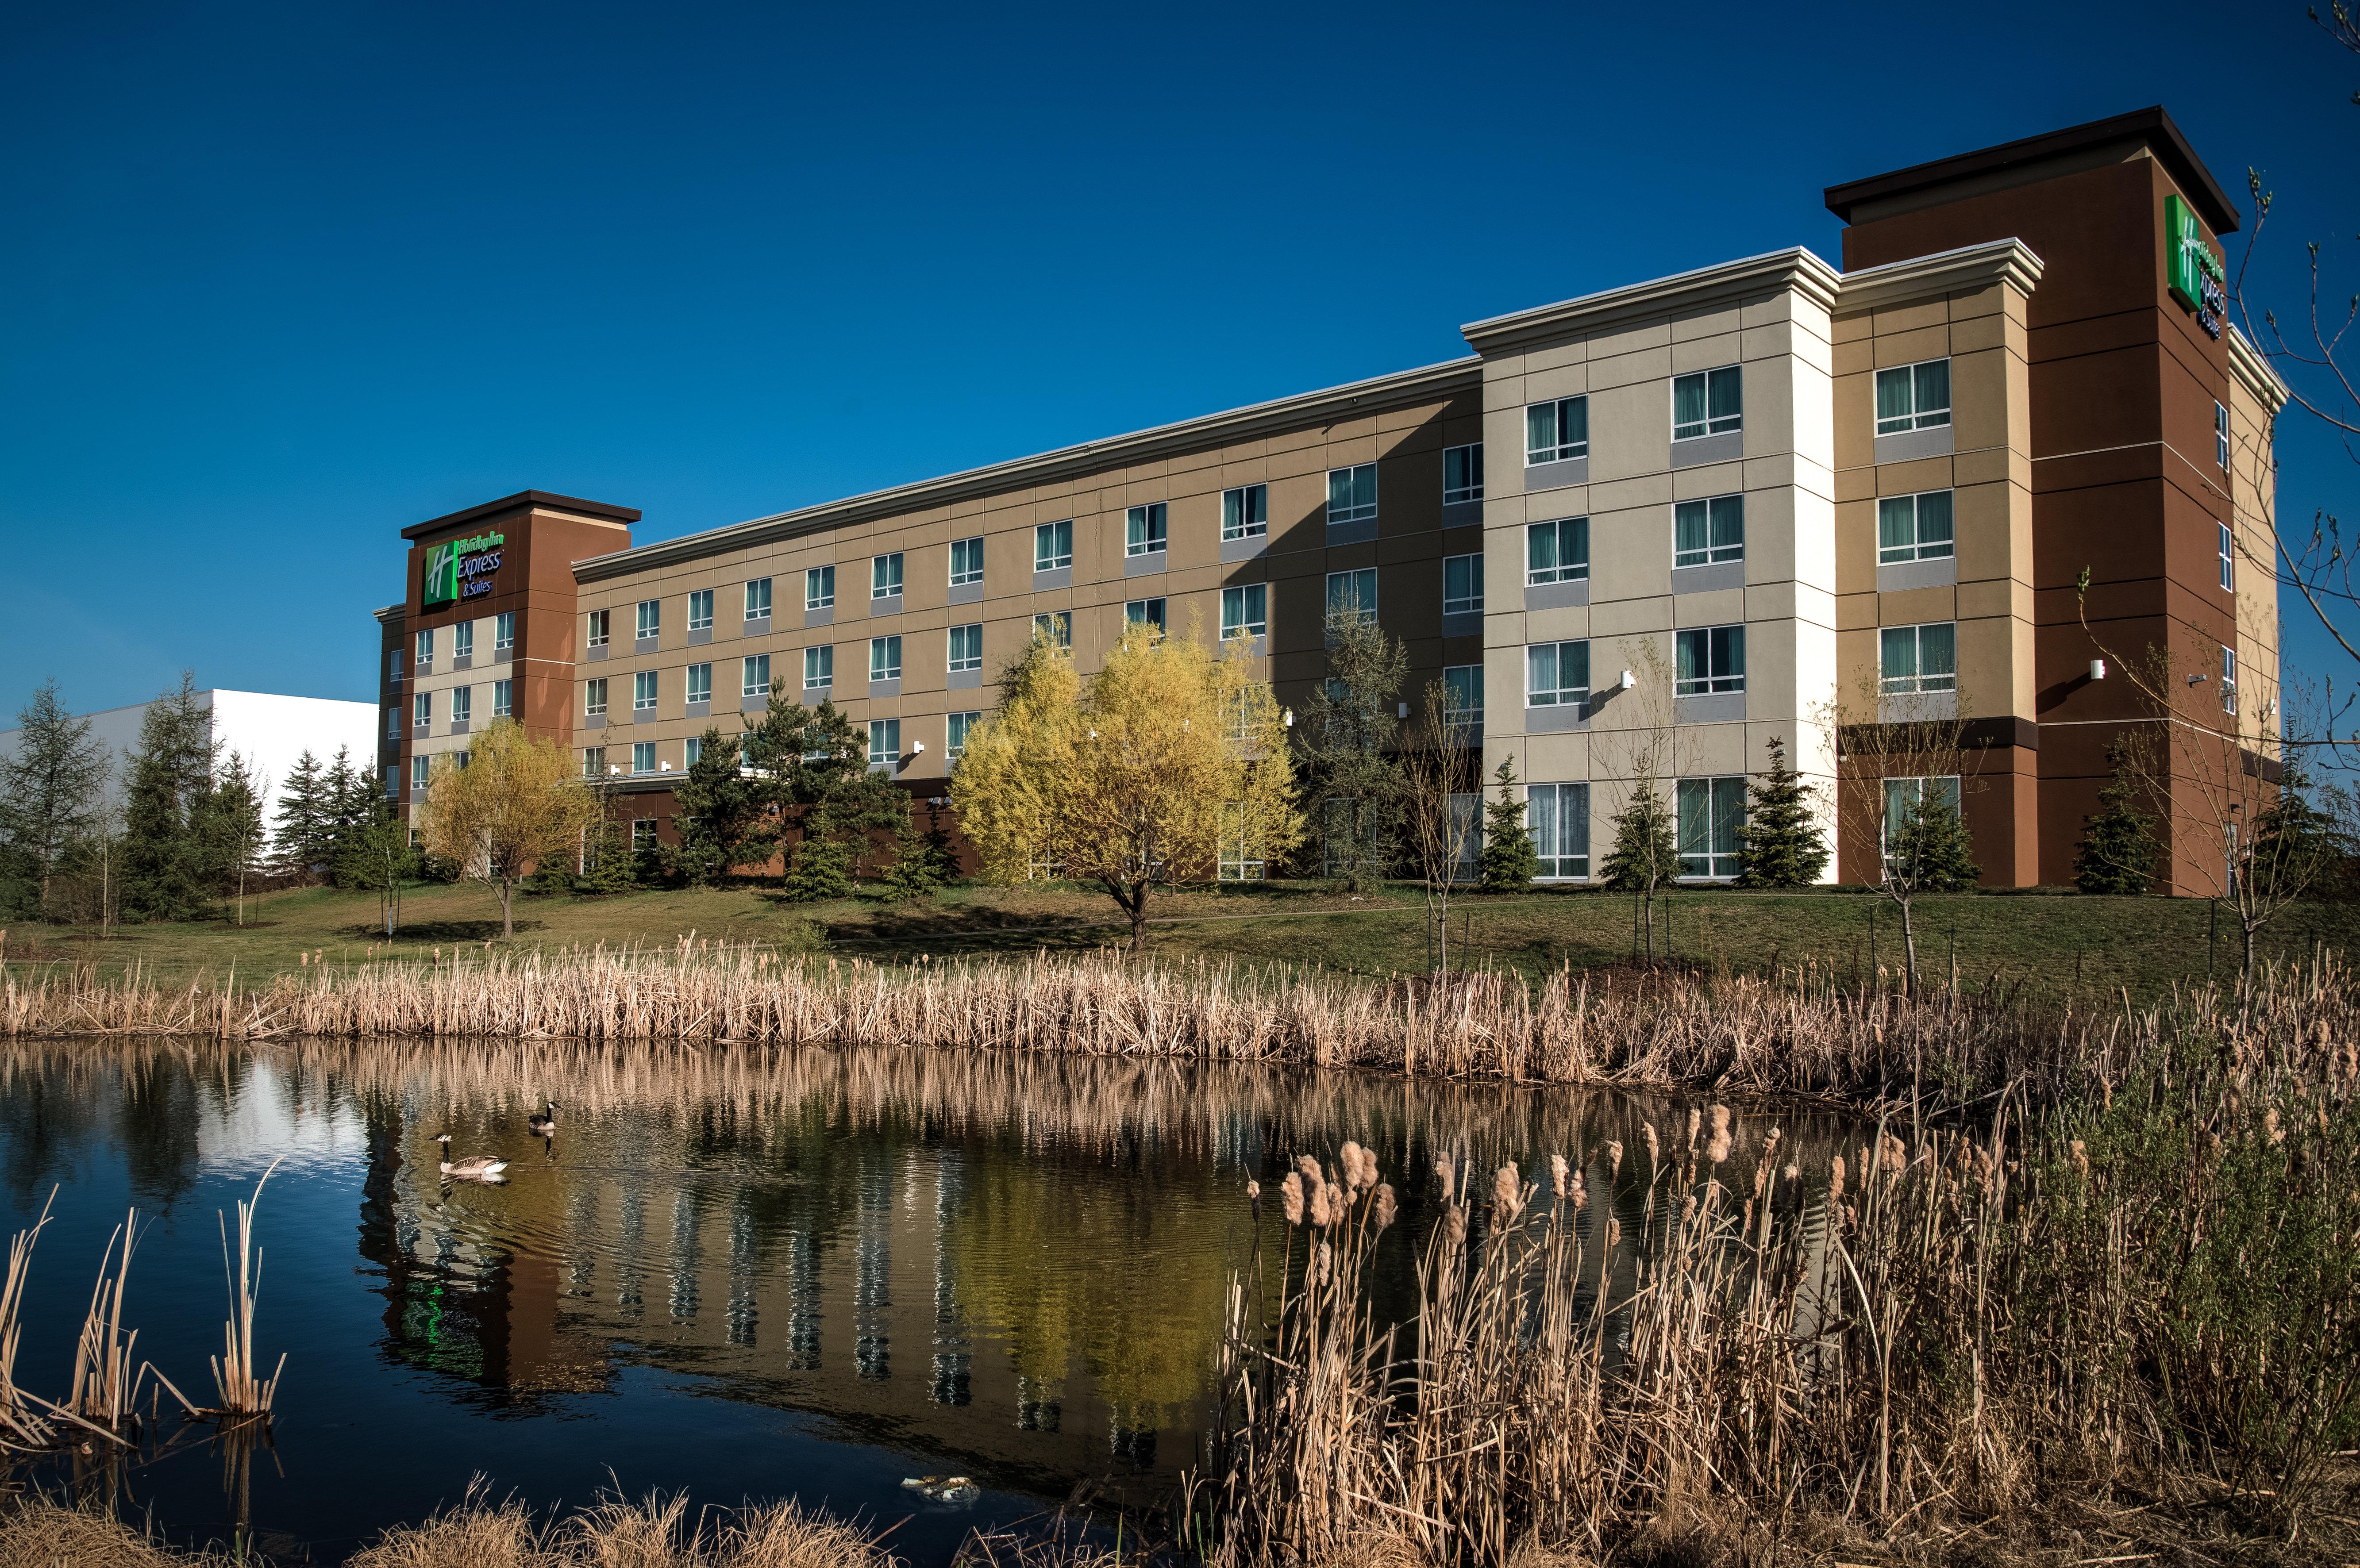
point(1710, 506)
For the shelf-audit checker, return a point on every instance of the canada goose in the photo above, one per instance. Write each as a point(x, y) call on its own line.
point(542, 1124)
point(474, 1166)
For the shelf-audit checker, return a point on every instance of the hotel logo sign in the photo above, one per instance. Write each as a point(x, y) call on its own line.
point(461, 569)
point(2193, 267)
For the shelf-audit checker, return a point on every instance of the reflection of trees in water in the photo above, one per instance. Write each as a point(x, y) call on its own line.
point(47, 1115)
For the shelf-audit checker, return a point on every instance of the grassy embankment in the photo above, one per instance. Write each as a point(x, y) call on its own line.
point(2044, 944)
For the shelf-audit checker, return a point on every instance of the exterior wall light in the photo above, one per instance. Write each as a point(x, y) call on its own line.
point(1626, 682)
point(2097, 670)
point(916, 746)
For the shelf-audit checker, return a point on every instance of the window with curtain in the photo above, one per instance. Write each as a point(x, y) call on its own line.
point(819, 588)
point(650, 617)
point(594, 762)
point(1902, 797)
point(1913, 396)
point(1238, 859)
point(1462, 685)
point(692, 751)
point(1711, 811)
point(885, 576)
point(1245, 611)
point(2228, 558)
point(463, 704)
point(884, 741)
point(421, 706)
point(1352, 492)
point(462, 640)
point(1708, 403)
point(966, 647)
point(503, 698)
point(967, 561)
point(1709, 660)
point(700, 683)
point(2220, 435)
point(1245, 512)
point(1914, 528)
point(960, 724)
point(2229, 681)
point(1147, 612)
point(594, 697)
point(425, 651)
point(1558, 816)
point(1556, 430)
point(885, 659)
point(1052, 546)
point(504, 627)
point(1143, 530)
point(755, 682)
point(1057, 626)
point(819, 668)
point(644, 757)
point(643, 691)
point(1557, 552)
point(1353, 593)
point(420, 768)
point(1462, 584)
point(1913, 660)
point(700, 610)
point(1556, 674)
point(1462, 473)
point(1708, 532)
point(757, 597)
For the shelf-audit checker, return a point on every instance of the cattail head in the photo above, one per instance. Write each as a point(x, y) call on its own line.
point(1896, 1159)
point(1290, 1194)
point(1320, 1217)
point(1453, 1226)
point(1835, 1180)
point(2081, 1153)
point(1350, 1156)
point(2271, 1127)
point(1614, 1159)
point(1557, 1169)
point(1507, 1194)
point(1720, 1119)
point(1613, 1231)
point(1447, 1173)
point(1384, 1207)
point(1655, 1148)
point(1581, 1192)
point(1718, 1149)
point(1253, 1190)
point(1696, 1119)
point(1367, 1166)
point(1321, 1264)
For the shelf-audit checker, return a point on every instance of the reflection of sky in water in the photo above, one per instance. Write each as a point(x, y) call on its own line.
point(749, 1275)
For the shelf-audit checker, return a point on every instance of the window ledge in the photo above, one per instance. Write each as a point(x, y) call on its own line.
point(600, 651)
point(1557, 596)
point(1917, 707)
point(1056, 577)
point(1903, 575)
point(1713, 708)
point(700, 710)
point(698, 637)
point(1908, 446)
point(1557, 474)
point(1557, 719)
point(1357, 531)
point(965, 592)
point(1144, 565)
point(1709, 579)
point(825, 615)
point(890, 605)
point(1245, 549)
point(963, 679)
point(886, 688)
point(1462, 622)
point(1696, 450)
point(643, 715)
point(753, 704)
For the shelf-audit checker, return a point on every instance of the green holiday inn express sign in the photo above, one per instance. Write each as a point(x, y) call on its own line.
point(2192, 267)
point(461, 569)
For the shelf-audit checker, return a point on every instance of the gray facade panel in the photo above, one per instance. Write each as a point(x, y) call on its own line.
point(1245, 549)
point(1556, 595)
point(1707, 578)
point(1697, 451)
point(1910, 445)
point(1146, 565)
point(966, 592)
point(1904, 575)
point(1556, 475)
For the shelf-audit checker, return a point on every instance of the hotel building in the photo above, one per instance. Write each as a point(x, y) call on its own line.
point(1708, 507)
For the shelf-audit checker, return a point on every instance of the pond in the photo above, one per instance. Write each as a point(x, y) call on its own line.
point(748, 1274)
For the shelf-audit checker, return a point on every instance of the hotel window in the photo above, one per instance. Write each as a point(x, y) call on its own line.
point(1708, 403)
point(1352, 492)
point(1057, 627)
point(1558, 551)
point(1052, 546)
point(1914, 528)
point(755, 677)
point(650, 619)
point(504, 630)
point(1705, 533)
point(421, 711)
point(1711, 813)
point(462, 640)
point(1462, 473)
point(885, 659)
point(1913, 396)
point(819, 588)
point(643, 692)
point(2228, 558)
point(426, 651)
point(1556, 430)
point(700, 610)
point(1235, 862)
point(1559, 815)
point(885, 576)
point(2221, 435)
point(1353, 594)
point(1148, 611)
point(643, 834)
point(392, 780)
point(884, 741)
point(644, 757)
point(2229, 681)
point(463, 704)
point(1462, 584)
point(819, 668)
point(418, 768)
point(1556, 674)
point(700, 683)
point(393, 667)
point(966, 648)
point(758, 599)
point(692, 751)
point(1708, 660)
point(1245, 512)
point(1144, 530)
point(594, 762)
point(1463, 687)
point(967, 561)
point(961, 724)
point(1245, 611)
point(1913, 660)
point(1902, 797)
point(598, 623)
point(594, 697)
point(503, 698)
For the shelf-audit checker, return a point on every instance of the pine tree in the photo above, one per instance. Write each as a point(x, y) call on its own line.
point(811, 780)
point(1646, 852)
point(377, 855)
point(1508, 860)
point(302, 838)
point(720, 816)
point(2118, 847)
point(233, 828)
point(1780, 844)
point(170, 870)
point(1931, 848)
point(52, 795)
point(1347, 747)
point(609, 865)
point(921, 861)
point(821, 865)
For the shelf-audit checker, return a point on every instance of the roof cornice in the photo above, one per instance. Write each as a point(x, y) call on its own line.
point(2252, 367)
point(1352, 400)
point(2010, 262)
point(392, 612)
point(1701, 289)
point(524, 500)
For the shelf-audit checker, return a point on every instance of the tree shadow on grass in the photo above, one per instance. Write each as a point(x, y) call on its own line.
point(443, 930)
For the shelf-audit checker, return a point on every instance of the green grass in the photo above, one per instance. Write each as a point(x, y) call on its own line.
point(2042, 943)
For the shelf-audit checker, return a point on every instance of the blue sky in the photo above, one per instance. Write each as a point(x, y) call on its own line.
point(281, 279)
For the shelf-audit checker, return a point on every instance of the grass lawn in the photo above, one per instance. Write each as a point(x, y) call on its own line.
point(2046, 943)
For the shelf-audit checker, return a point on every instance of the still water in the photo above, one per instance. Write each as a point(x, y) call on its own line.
point(745, 1274)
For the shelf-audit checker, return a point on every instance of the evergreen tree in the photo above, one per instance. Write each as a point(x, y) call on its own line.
point(1932, 850)
point(922, 861)
point(1780, 844)
point(52, 797)
point(1347, 746)
point(1508, 860)
point(609, 865)
point(1646, 852)
point(233, 830)
point(2118, 848)
point(302, 840)
point(353, 801)
point(811, 780)
point(721, 820)
point(171, 865)
point(377, 855)
point(821, 865)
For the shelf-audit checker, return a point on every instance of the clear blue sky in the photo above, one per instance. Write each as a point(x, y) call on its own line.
point(279, 279)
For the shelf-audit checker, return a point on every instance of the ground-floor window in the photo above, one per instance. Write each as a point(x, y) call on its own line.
point(884, 741)
point(1559, 815)
point(643, 833)
point(1237, 861)
point(1901, 797)
point(1711, 812)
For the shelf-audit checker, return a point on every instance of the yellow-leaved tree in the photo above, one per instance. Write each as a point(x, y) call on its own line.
point(518, 803)
point(1170, 767)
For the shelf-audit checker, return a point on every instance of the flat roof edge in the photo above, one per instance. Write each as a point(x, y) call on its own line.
point(2009, 261)
point(519, 502)
point(1794, 267)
